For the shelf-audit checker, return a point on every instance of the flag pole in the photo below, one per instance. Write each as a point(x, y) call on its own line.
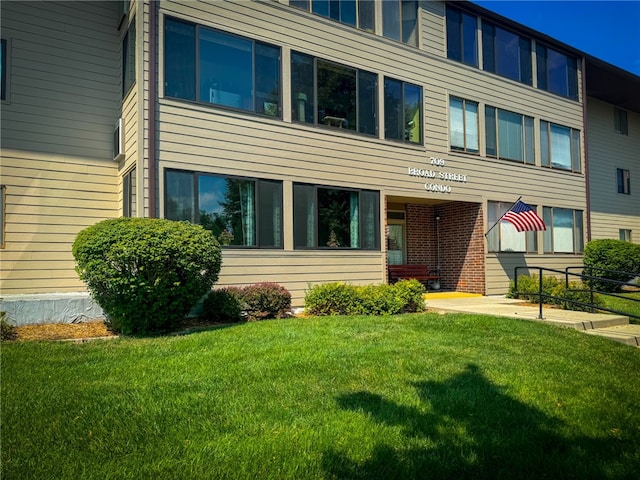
point(502, 216)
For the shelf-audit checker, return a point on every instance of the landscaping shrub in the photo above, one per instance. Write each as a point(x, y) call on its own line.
point(529, 286)
point(410, 293)
point(330, 299)
point(223, 305)
point(577, 292)
point(343, 299)
point(266, 300)
point(7, 331)
point(146, 273)
point(607, 254)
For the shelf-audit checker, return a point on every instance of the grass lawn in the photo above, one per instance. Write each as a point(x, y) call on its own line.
point(412, 396)
point(622, 305)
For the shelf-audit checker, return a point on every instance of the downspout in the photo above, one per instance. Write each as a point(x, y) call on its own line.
point(153, 82)
point(586, 146)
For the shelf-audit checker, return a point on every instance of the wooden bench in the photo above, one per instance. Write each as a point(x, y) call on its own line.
point(420, 272)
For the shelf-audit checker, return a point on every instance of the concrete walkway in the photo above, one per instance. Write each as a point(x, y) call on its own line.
point(614, 327)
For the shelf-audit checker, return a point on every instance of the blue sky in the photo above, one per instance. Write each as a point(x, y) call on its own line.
point(609, 30)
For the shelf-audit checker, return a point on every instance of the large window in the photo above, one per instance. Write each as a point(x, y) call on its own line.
point(509, 135)
point(399, 20)
point(462, 36)
point(463, 125)
point(129, 58)
point(402, 111)
point(560, 147)
point(504, 237)
point(624, 181)
point(557, 72)
point(506, 53)
point(229, 71)
point(239, 211)
point(357, 13)
point(564, 233)
point(326, 93)
point(326, 217)
point(3, 69)
point(620, 122)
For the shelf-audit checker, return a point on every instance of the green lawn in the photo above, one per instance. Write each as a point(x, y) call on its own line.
point(413, 396)
point(622, 305)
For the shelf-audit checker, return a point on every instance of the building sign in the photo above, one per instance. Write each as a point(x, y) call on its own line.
point(436, 176)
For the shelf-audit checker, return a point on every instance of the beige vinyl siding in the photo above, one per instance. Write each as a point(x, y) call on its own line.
point(56, 137)
point(210, 139)
point(608, 151)
point(500, 268)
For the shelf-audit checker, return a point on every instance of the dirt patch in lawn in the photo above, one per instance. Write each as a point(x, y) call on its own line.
point(63, 331)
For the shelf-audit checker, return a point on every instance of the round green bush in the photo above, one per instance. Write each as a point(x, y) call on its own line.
point(146, 273)
point(223, 305)
point(608, 258)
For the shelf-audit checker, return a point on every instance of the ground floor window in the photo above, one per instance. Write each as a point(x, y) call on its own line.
point(564, 232)
point(129, 194)
point(625, 234)
point(504, 237)
point(239, 211)
point(329, 217)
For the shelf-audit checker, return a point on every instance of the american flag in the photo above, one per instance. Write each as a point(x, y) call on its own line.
point(524, 218)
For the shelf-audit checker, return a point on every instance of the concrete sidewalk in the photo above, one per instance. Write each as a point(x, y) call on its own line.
point(614, 327)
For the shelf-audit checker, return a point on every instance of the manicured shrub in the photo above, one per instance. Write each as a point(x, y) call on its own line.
point(7, 331)
point(616, 255)
point(577, 292)
point(146, 273)
point(266, 300)
point(330, 299)
point(410, 293)
point(344, 299)
point(529, 286)
point(223, 305)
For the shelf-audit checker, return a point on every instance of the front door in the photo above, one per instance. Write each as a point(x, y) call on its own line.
point(396, 248)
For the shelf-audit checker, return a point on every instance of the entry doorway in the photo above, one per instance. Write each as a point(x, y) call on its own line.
point(397, 238)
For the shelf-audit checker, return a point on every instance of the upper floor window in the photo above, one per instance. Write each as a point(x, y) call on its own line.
point(129, 58)
point(564, 233)
point(560, 147)
point(229, 70)
point(239, 211)
point(620, 123)
point(462, 36)
point(557, 72)
point(3, 69)
point(509, 135)
point(463, 125)
point(506, 53)
point(624, 181)
point(402, 111)
point(400, 20)
point(326, 93)
point(331, 217)
point(504, 237)
point(357, 13)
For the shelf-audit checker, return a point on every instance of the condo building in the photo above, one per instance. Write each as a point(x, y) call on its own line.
point(319, 140)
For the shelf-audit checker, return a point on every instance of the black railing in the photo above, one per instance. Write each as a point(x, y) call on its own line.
point(585, 279)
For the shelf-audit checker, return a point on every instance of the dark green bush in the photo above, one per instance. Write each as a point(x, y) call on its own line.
point(223, 305)
point(617, 255)
point(7, 331)
point(577, 292)
point(529, 286)
point(344, 299)
point(146, 273)
point(266, 300)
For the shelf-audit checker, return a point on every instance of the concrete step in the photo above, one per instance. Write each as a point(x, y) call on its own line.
point(627, 334)
point(594, 323)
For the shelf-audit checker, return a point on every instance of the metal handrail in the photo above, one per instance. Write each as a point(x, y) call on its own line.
point(582, 277)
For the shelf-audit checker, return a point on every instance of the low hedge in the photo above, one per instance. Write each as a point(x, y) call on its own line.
point(344, 299)
point(253, 302)
point(555, 292)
